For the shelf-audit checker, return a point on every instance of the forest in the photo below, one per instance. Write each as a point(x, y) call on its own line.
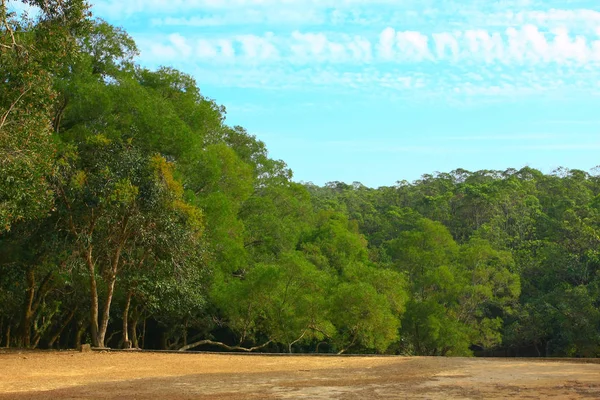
point(133, 216)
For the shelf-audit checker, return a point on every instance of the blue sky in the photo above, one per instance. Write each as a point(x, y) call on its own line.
point(379, 91)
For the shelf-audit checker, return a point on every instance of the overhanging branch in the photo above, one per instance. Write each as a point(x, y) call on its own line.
point(225, 346)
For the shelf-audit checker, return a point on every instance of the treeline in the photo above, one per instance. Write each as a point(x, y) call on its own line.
point(131, 215)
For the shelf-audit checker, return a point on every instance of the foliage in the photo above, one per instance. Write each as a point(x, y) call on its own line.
point(132, 215)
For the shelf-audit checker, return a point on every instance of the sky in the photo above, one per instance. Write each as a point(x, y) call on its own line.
point(379, 91)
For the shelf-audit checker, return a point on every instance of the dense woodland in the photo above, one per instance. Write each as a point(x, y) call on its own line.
point(131, 215)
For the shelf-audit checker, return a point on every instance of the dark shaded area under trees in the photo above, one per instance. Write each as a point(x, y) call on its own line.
point(131, 215)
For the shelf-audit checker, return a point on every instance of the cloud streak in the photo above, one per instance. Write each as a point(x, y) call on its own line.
point(522, 45)
point(455, 48)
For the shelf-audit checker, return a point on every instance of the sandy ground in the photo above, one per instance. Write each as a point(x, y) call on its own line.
point(129, 375)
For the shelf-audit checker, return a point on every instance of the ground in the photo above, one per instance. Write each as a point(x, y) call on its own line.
point(134, 375)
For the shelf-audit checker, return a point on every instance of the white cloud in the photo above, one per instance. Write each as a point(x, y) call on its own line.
point(226, 48)
point(413, 45)
point(205, 49)
point(163, 52)
point(361, 49)
point(271, 17)
point(180, 44)
point(547, 14)
point(484, 45)
point(256, 48)
point(473, 51)
point(308, 45)
point(386, 43)
point(318, 47)
point(469, 48)
point(405, 45)
point(445, 42)
point(559, 146)
point(565, 48)
point(561, 17)
point(171, 6)
point(507, 137)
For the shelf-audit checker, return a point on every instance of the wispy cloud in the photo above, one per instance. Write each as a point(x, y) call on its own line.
point(560, 146)
point(569, 122)
point(506, 137)
point(556, 143)
point(454, 48)
point(522, 45)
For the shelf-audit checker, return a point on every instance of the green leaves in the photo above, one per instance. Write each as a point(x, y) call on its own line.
point(118, 179)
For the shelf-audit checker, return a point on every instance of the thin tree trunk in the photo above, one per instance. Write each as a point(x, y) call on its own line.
point(39, 332)
point(24, 338)
point(144, 334)
point(164, 345)
point(32, 303)
point(126, 341)
point(317, 348)
point(8, 336)
point(347, 347)
point(537, 349)
point(94, 299)
point(109, 295)
point(133, 329)
point(185, 337)
point(103, 327)
point(417, 342)
point(81, 328)
point(112, 335)
point(58, 116)
point(61, 329)
point(296, 341)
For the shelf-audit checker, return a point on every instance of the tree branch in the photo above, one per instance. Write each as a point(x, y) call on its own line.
point(5, 22)
point(225, 346)
point(297, 340)
point(14, 103)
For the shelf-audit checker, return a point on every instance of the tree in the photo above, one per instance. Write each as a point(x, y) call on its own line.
point(30, 53)
point(110, 198)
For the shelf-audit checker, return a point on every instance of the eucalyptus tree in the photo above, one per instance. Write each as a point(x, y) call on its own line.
point(31, 52)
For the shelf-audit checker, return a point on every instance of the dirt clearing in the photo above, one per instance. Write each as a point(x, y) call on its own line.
point(108, 375)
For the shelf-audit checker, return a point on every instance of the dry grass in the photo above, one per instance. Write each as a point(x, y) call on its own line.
point(107, 375)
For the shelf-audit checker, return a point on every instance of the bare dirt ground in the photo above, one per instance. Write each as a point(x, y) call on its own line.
point(130, 375)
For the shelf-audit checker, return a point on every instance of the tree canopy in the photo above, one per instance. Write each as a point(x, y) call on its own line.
point(132, 215)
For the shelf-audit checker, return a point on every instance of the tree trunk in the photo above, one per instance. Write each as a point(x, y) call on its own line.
point(317, 348)
point(103, 327)
point(133, 329)
point(109, 295)
point(144, 334)
point(417, 342)
point(31, 305)
point(185, 337)
point(126, 341)
point(26, 319)
point(93, 298)
point(46, 322)
point(8, 336)
point(58, 115)
point(81, 328)
point(537, 349)
point(163, 341)
point(61, 329)
point(112, 335)
point(348, 347)
point(296, 341)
